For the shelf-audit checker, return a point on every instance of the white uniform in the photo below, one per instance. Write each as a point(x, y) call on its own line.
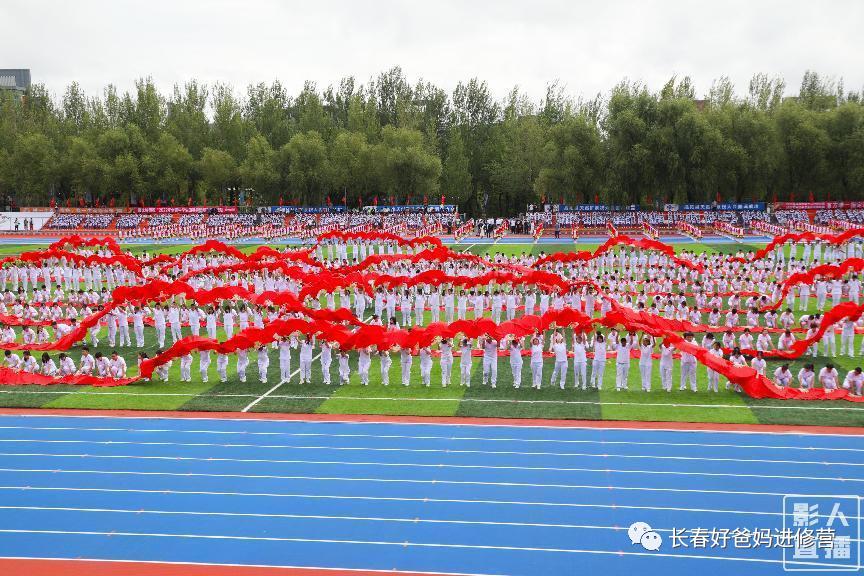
point(559, 349)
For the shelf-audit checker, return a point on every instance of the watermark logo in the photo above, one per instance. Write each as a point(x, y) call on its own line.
point(642, 534)
point(826, 533)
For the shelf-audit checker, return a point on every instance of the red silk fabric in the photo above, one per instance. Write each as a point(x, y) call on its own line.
point(348, 332)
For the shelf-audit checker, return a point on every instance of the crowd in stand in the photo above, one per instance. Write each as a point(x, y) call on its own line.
point(160, 220)
point(633, 219)
point(127, 221)
point(786, 217)
point(65, 221)
point(855, 216)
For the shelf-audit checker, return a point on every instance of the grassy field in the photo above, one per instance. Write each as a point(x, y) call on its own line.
point(478, 401)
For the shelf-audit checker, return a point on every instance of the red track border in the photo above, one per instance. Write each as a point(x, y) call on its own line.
point(374, 418)
point(34, 567)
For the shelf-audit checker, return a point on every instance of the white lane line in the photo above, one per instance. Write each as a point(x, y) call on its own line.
point(449, 438)
point(400, 544)
point(417, 465)
point(299, 419)
point(326, 478)
point(815, 407)
point(320, 517)
point(429, 451)
point(435, 500)
point(327, 517)
point(273, 389)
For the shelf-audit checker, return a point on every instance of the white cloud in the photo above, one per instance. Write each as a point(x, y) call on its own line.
point(587, 46)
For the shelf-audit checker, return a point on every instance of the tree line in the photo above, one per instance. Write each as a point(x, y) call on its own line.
point(403, 142)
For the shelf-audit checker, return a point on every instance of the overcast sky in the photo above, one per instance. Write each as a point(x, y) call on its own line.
point(587, 46)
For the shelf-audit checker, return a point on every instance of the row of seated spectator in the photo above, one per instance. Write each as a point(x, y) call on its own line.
point(785, 217)
point(855, 216)
point(82, 221)
point(128, 221)
point(344, 220)
point(628, 219)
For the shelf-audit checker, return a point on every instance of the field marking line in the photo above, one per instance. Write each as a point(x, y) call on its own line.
point(273, 389)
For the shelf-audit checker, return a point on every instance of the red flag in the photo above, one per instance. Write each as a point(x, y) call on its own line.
point(443, 200)
point(345, 198)
point(158, 203)
point(359, 202)
point(172, 201)
point(329, 203)
point(189, 201)
point(717, 197)
point(596, 198)
point(810, 196)
point(68, 202)
point(375, 201)
point(111, 202)
point(97, 203)
point(52, 204)
point(280, 200)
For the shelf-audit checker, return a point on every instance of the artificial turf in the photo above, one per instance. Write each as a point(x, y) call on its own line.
point(476, 401)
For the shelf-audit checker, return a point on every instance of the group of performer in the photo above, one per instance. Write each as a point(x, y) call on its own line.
point(733, 298)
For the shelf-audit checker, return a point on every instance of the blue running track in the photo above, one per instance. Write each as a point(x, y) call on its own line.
point(437, 498)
